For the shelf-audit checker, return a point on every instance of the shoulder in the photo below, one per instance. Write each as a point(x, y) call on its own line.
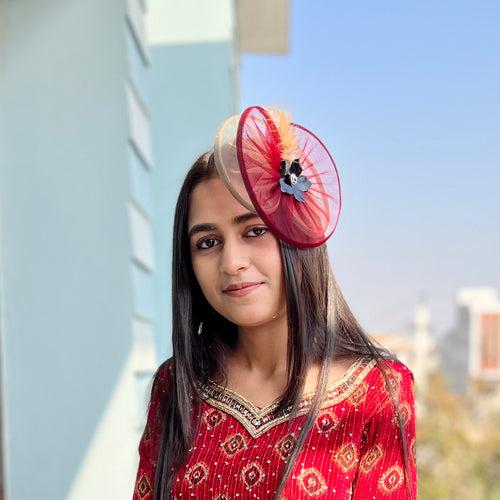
point(396, 371)
point(167, 368)
point(163, 378)
point(391, 379)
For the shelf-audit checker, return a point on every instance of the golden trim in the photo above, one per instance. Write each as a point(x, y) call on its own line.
point(259, 420)
point(306, 395)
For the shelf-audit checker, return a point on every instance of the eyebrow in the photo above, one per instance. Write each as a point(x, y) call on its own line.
point(239, 219)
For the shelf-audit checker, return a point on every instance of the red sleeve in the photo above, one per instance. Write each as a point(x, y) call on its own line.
point(381, 467)
point(148, 445)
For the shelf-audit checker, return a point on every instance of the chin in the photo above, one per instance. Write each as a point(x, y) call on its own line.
point(254, 320)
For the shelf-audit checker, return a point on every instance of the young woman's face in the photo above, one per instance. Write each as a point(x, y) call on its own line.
point(229, 245)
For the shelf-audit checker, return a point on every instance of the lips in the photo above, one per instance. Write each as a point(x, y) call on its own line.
point(239, 286)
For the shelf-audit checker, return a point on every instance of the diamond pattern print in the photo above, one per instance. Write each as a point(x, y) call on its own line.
point(311, 482)
point(197, 474)
point(371, 458)
point(143, 487)
point(241, 450)
point(233, 444)
point(252, 474)
point(285, 446)
point(359, 395)
point(327, 421)
point(345, 457)
point(213, 417)
point(391, 479)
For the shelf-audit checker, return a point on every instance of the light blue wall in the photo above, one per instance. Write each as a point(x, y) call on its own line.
point(192, 91)
point(65, 250)
point(68, 285)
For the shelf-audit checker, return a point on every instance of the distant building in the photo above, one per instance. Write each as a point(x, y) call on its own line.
point(471, 350)
point(418, 351)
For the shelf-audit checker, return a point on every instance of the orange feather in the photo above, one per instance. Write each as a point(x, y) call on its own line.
point(288, 139)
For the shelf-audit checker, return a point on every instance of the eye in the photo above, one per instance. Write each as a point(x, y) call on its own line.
point(209, 242)
point(260, 230)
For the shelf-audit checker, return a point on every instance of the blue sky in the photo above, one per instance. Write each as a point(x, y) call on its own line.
point(406, 97)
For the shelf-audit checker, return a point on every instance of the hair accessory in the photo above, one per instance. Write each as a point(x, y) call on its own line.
point(283, 172)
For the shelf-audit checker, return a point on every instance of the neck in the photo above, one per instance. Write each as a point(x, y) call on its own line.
point(261, 350)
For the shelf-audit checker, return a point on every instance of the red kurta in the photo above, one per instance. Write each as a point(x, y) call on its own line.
point(352, 452)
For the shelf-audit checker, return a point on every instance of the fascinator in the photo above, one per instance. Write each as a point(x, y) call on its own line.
point(282, 171)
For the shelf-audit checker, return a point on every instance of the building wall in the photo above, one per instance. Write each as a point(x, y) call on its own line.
point(188, 107)
point(489, 330)
point(193, 82)
point(164, 95)
point(97, 129)
point(67, 298)
point(191, 21)
point(108, 468)
point(454, 349)
point(463, 349)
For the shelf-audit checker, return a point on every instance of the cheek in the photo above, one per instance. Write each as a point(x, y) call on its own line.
point(204, 273)
point(271, 261)
point(274, 258)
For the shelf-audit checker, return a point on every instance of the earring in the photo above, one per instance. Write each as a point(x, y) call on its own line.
point(200, 328)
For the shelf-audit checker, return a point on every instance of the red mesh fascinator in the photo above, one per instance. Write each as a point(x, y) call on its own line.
point(283, 172)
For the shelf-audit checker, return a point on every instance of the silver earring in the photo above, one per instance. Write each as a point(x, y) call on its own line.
point(200, 328)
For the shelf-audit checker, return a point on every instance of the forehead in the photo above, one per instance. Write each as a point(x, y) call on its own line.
point(212, 202)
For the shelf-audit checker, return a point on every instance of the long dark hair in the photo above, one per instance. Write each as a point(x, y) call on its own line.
point(331, 333)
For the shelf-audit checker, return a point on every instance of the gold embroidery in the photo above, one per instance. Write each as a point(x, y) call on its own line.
point(213, 417)
point(259, 420)
point(233, 444)
point(196, 474)
point(252, 474)
point(359, 395)
point(394, 378)
point(391, 479)
point(346, 457)
point(285, 446)
point(370, 458)
point(327, 421)
point(405, 414)
point(311, 482)
point(143, 486)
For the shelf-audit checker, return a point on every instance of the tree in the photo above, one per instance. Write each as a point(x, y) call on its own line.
point(458, 457)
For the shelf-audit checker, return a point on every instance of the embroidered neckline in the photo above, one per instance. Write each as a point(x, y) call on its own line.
point(306, 396)
point(258, 420)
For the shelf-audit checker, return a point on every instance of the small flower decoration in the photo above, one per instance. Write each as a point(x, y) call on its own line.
point(291, 181)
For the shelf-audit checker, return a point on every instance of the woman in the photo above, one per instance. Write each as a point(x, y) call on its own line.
point(273, 389)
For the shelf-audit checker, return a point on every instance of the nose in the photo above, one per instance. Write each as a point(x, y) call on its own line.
point(233, 257)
